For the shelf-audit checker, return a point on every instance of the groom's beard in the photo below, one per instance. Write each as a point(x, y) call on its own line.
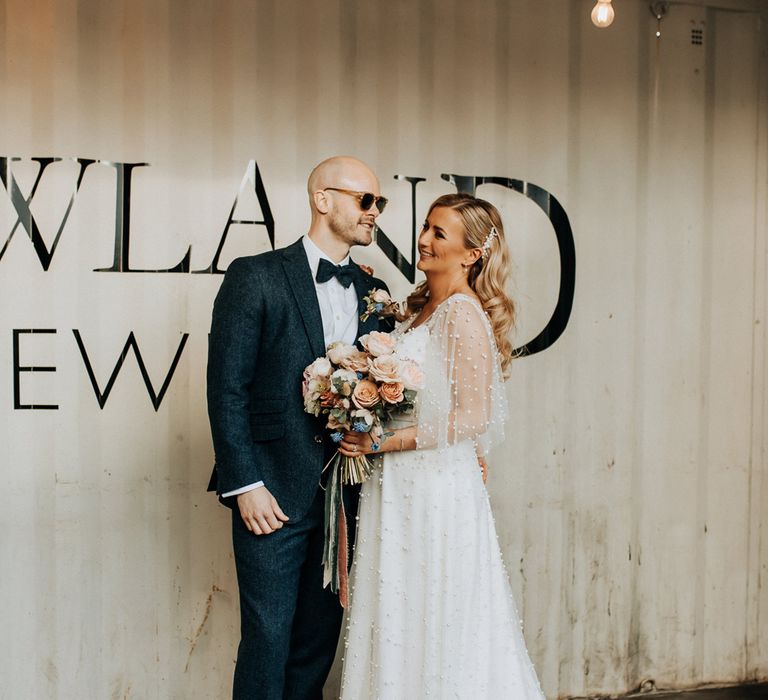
point(352, 232)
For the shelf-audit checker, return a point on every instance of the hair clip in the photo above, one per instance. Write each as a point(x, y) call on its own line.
point(486, 247)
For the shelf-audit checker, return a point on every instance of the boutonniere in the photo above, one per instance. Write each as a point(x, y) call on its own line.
point(367, 269)
point(378, 303)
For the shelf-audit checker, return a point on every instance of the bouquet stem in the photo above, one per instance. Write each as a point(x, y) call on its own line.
point(344, 471)
point(355, 470)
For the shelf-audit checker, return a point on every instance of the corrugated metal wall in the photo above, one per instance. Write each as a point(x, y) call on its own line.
point(632, 496)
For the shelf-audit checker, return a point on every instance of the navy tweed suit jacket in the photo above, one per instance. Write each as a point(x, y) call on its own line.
point(266, 329)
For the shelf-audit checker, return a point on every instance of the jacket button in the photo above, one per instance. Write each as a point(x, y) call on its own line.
point(319, 439)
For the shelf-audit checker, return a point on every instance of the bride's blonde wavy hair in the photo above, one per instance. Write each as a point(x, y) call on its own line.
point(489, 275)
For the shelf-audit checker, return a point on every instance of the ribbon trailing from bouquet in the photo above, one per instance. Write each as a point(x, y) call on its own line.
point(343, 471)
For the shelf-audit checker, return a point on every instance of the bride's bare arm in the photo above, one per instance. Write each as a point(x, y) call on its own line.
point(355, 444)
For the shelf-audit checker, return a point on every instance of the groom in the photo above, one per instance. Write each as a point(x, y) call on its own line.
point(274, 314)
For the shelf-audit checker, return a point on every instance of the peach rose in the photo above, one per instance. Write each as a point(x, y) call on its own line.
point(356, 361)
point(392, 392)
point(385, 368)
point(378, 343)
point(365, 394)
point(411, 375)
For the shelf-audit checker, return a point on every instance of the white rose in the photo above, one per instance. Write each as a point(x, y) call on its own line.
point(321, 367)
point(380, 296)
point(339, 352)
point(411, 375)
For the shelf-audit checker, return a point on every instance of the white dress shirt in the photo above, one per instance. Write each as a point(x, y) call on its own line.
point(338, 310)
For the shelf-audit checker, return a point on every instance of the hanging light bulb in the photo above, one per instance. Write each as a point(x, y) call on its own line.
point(602, 14)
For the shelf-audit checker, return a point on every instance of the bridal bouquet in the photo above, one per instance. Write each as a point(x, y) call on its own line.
point(358, 390)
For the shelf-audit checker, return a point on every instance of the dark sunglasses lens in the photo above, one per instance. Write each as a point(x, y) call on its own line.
point(369, 199)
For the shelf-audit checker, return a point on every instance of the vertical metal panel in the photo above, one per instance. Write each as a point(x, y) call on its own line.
point(631, 496)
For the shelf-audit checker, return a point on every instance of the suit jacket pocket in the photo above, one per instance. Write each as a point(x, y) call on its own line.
point(263, 431)
point(261, 406)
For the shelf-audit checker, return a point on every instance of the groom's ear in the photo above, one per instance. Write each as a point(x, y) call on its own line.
point(320, 200)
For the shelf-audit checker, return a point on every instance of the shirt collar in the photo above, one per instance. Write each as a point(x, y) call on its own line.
point(314, 255)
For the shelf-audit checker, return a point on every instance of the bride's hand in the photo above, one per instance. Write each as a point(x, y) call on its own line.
point(356, 444)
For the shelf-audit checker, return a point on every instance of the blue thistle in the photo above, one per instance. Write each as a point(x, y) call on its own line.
point(360, 426)
point(337, 436)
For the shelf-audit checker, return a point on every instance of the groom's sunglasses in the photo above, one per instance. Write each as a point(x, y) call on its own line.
point(366, 199)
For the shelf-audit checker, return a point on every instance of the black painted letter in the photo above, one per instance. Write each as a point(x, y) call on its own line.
point(120, 262)
point(18, 369)
point(130, 344)
point(253, 176)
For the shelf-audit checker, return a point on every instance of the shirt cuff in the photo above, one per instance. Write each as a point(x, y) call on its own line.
point(244, 489)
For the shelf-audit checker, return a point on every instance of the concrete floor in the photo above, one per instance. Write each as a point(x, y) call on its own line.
point(745, 692)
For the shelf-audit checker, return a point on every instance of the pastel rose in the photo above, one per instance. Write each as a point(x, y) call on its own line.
point(380, 296)
point(321, 367)
point(391, 392)
point(338, 352)
point(356, 362)
point(385, 369)
point(365, 394)
point(378, 343)
point(411, 375)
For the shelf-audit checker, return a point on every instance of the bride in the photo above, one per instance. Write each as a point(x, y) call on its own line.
point(432, 613)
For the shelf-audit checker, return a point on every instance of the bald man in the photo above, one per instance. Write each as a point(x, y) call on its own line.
point(274, 314)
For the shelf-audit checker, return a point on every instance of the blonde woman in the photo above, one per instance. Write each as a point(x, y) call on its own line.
point(432, 614)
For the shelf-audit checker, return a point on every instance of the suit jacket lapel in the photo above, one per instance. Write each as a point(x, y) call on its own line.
point(364, 284)
point(299, 276)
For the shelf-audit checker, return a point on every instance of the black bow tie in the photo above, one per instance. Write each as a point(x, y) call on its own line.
point(346, 274)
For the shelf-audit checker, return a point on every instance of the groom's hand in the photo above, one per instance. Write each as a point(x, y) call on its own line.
point(260, 511)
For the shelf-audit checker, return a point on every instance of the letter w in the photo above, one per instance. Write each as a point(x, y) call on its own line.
point(23, 212)
point(155, 398)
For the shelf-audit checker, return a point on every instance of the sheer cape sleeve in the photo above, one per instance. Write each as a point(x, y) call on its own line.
point(463, 396)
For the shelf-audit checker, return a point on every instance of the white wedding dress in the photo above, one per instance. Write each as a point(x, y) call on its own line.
point(432, 613)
